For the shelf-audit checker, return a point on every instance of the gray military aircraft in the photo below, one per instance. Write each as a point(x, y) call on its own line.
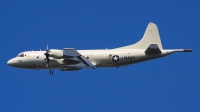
point(68, 59)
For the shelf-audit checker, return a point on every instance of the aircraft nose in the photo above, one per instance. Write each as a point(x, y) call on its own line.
point(11, 62)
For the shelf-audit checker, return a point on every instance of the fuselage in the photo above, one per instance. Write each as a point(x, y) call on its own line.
point(99, 58)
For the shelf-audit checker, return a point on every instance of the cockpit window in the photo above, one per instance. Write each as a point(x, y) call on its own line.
point(20, 55)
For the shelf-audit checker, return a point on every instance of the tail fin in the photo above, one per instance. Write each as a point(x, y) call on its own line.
point(151, 36)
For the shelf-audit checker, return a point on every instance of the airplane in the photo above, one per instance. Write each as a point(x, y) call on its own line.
point(70, 59)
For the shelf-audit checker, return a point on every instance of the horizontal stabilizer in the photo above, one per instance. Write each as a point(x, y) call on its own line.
point(153, 48)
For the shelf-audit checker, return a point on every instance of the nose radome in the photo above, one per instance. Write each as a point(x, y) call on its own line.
point(11, 62)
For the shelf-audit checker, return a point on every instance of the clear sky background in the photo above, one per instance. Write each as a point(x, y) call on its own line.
point(169, 84)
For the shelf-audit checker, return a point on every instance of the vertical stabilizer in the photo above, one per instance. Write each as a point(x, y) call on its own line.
point(151, 36)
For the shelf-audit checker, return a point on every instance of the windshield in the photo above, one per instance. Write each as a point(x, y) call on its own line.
point(20, 55)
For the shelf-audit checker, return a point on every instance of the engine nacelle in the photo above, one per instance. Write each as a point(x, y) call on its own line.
point(56, 53)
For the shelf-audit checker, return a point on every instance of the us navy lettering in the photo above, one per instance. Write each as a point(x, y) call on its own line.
point(128, 58)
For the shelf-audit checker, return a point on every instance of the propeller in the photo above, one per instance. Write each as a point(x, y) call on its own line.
point(47, 56)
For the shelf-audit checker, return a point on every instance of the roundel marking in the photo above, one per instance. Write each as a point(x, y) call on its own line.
point(115, 58)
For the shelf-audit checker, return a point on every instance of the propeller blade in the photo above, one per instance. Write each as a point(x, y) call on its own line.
point(47, 56)
point(47, 65)
point(47, 48)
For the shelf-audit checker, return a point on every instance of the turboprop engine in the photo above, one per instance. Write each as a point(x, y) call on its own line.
point(56, 53)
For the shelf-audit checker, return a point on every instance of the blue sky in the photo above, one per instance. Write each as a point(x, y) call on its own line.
point(168, 84)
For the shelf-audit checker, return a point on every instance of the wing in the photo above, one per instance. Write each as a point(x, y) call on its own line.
point(73, 55)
